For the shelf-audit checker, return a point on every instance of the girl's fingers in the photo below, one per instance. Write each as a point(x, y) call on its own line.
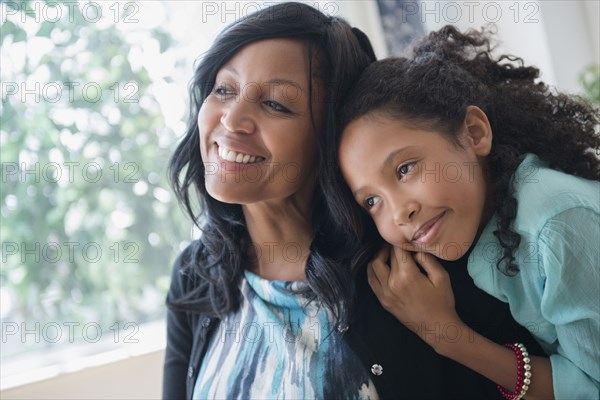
point(435, 272)
point(403, 261)
point(380, 269)
point(383, 255)
point(412, 247)
point(374, 282)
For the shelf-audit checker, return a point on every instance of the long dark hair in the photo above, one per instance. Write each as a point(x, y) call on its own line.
point(450, 71)
point(217, 260)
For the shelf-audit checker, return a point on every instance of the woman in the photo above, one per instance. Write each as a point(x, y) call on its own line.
point(264, 304)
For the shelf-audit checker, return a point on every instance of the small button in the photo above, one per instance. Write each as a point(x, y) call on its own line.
point(190, 372)
point(206, 322)
point(342, 328)
point(377, 369)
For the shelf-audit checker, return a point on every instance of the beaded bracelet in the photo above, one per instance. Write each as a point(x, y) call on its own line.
point(523, 373)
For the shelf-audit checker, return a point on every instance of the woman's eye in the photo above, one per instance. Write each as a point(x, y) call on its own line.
point(222, 91)
point(405, 169)
point(276, 106)
point(370, 202)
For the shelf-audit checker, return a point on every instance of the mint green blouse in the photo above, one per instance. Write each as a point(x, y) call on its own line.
point(556, 294)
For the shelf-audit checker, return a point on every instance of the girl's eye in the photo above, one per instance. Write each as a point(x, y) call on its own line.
point(276, 106)
point(405, 169)
point(370, 202)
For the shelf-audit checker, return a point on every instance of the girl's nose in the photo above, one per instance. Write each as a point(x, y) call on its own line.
point(405, 212)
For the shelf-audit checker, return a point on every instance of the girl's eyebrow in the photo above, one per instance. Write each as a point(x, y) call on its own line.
point(388, 161)
point(392, 156)
point(357, 191)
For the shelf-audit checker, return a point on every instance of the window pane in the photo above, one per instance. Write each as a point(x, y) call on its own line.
point(93, 102)
point(94, 99)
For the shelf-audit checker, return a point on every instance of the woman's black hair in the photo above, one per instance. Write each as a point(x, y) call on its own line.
point(216, 265)
point(448, 72)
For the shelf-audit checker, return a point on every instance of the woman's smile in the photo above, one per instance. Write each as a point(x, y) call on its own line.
point(227, 154)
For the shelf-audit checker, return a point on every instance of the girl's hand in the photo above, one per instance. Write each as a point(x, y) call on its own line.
point(424, 303)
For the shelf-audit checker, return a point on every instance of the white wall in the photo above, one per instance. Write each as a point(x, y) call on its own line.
point(137, 377)
point(571, 29)
point(365, 16)
point(559, 36)
point(520, 31)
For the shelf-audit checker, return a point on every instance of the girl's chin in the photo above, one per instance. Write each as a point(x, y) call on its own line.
point(447, 252)
point(451, 252)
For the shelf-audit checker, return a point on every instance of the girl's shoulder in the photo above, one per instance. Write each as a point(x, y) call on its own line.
point(543, 193)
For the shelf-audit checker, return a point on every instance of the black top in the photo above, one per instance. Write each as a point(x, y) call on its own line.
point(410, 368)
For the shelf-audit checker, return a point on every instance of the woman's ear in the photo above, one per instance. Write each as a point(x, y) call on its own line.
point(478, 131)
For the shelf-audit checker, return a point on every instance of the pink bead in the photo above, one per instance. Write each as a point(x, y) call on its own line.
point(522, 365)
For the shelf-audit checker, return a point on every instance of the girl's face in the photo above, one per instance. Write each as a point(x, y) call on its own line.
point(256, 134)
point(417, 186)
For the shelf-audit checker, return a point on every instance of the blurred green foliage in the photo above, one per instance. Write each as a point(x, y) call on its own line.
point(589, 79)
point(83, 171)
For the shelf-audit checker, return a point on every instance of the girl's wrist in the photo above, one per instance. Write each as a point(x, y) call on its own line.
point(450, 337)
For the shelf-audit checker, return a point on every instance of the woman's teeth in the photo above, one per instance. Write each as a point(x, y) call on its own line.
point(236, 157)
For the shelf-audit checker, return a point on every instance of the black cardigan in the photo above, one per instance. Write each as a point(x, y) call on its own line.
point(411, 369)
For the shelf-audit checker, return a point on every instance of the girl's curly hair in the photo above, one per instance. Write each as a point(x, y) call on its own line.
point(450, 71)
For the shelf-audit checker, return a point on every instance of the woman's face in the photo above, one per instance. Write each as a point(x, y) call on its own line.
point(256, 132)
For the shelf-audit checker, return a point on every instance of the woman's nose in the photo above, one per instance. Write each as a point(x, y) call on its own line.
point(238, 117)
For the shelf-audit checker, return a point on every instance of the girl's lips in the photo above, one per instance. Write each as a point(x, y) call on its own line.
point(427, 232)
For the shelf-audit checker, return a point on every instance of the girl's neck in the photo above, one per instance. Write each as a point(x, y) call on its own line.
point(489, 207)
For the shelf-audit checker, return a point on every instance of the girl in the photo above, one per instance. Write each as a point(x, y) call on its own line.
point(264, 304)
point(458, 155)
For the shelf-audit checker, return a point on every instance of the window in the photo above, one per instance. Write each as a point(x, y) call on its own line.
point(94, 100)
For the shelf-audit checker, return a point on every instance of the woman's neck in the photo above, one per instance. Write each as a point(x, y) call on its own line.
point(281, 234)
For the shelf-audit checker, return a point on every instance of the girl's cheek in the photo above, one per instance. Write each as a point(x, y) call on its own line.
point(390, 233)
point(383, 231)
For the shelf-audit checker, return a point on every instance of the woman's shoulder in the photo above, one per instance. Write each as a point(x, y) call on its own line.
point(543, 193)
point(183, 278)
point(186, 257)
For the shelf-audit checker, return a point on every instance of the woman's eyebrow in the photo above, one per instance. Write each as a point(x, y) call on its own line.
point(284, 82)
point(275, 81)
point(230, 68)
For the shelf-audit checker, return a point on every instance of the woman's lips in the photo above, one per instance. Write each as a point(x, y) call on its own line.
point(246, 161)
point(427, 232)
point(239, 157)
